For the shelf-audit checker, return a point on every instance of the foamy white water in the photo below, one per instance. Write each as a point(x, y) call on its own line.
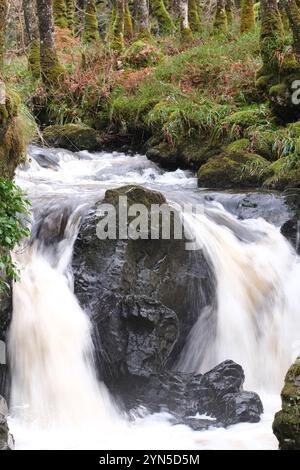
point(57, 402)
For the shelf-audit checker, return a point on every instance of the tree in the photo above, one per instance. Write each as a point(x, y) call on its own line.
point(70, 6)
point(194, 18)
point(247, 16)
point(220, 21)
point(165, 22)
point(51, 68)
point(229, 7)
point(32, 32)
point(143, 19)
point(271, 36)
point(293, 13)
point(91, 27)
point(3, 15)
point(128, 25)
point(118, 26)
point(185, 30)
point(60, 13)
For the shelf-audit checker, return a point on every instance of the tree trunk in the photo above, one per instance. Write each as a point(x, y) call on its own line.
point(229, 7)
point(118, 26)
point(220, 22)
point(70, 5)
point(143, 15)
point(293, 14)
point(271, 36)
point(91, 26)
point(32, 32)
point(185, 30)
point(128, 25)
point(3, 18)
point(194, 18)
point(247, 16)
point(60, 13)
point(165, 22)
point(51, 69)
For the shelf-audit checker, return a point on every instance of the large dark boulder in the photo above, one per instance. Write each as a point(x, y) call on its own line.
point(143, 296)
point(6, 439)
point(73, 137)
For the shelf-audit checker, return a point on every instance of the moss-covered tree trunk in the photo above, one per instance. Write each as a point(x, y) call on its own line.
point(128, 23)
point(60, 13)
point(143, 19)
point(91, 26)
point(247, 16)
point(165, 22)
point(118, 26)
point(293, 14)
point(51, 69)
point(70, 5)
point(271, 36)
point(194, 18)
point(32, 32)
point(3, 14)
point(185, 30)
point(220, 22)
point(229, 7)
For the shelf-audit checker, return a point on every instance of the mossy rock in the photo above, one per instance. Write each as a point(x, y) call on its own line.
point(240, 145)
point(286, 425)
point(294, 129)
point(263, 143)
point(142, 54)
point(247, 117)
point(73, 137)
point(135, 195)
point(233, 170)
point(284, 173)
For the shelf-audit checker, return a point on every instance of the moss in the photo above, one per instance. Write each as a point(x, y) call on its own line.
point(118, 44)
point(60, 13)
point(194, 18)
point(286, 425)
point(233, 169)
point(220, 22)
point(284, 173)
point(12, 143)
point(91, 27)
point(240, 145)
point(128, 25)
point(73, 137)
point(186, 35)
point(294, 129)
point(51, 69)
point(142, 54)
point(34, 59)
point(229, 7)
point(70, 6)
point(165, 22)
point(135, 195)
point(247, 16)
point(246, 118)
point(271, 39)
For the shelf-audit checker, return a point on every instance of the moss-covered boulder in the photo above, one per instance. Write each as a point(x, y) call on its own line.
point(142, 54)
point(240, 169)
point(73, 137)
point(135, 195)
point(286, 425)
point(284, 173)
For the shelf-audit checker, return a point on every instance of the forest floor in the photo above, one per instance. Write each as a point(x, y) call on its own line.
point(195, 106)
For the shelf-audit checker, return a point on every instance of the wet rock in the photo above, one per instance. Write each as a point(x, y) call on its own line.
point(140, 295)
point(216, 396)
point(73, 137)
point(286, 425)
point(6, 439)
point(232, 170)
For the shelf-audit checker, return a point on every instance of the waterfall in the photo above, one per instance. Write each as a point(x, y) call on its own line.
point(50, 345)
point(256, 321)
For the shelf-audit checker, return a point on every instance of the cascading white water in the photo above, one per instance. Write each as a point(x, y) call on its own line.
point(56, 399)
point(257, 317)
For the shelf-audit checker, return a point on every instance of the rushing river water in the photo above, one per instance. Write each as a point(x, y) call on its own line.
point(56, 400)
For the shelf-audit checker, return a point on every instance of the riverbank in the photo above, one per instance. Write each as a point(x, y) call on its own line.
point(199, 108)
